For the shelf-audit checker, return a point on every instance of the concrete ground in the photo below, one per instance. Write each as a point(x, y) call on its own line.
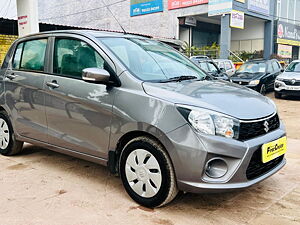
point(44, 187)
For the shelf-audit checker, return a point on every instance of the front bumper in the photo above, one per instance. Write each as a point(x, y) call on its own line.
point(284, 89)
point(193, 151)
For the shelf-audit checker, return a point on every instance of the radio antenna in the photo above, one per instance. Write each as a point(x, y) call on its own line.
point(124, 31)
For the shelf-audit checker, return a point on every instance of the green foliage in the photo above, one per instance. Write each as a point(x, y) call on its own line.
point(246, 55)
point(210, 51)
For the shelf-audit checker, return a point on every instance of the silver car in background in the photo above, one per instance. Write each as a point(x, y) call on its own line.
point(142, 109)
point(288, 83)
point(227, 65)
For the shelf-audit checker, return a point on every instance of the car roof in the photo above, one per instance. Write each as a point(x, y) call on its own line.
point(260, 60)
point(221, 60)
point(93, 33)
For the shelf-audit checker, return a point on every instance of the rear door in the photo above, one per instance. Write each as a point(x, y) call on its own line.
point(24, 94)
point(78, 113)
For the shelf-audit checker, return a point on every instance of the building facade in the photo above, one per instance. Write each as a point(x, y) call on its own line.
point(198, 22)
point(287, 29)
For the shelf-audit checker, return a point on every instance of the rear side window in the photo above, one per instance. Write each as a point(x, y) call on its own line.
point(228, 65)
point(276, 66)
point(33, 55)
point(17, 57)
point(270, 68)
point(71, 56)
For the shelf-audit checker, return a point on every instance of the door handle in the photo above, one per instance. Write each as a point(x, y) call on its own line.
point(52, 84)
point(11, 76)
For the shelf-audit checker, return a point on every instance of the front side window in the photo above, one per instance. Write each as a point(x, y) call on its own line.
point(150, 60)
point(17, 57)
point(71, 56)
point(33, 55)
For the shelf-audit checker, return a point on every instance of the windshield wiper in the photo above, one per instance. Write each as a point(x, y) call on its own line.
point(178, 79)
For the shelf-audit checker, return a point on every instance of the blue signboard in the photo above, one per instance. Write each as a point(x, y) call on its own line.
point(141, 7)
point(259, 6)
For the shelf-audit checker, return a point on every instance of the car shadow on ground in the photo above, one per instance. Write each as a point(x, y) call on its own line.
point(33, 155)
point(248, 201)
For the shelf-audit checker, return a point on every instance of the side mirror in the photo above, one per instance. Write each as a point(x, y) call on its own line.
point(95, 75)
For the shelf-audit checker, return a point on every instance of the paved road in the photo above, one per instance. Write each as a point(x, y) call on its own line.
point(43, 187)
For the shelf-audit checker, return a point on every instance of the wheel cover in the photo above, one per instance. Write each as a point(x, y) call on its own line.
point(143, 173)
point(4, 134)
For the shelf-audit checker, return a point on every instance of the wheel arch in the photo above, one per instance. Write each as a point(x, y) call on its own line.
point(152, 132)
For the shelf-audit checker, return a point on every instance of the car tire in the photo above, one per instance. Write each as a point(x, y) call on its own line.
point(8, 144)
point(263, 90)
point(147, 173)
point(277, 95)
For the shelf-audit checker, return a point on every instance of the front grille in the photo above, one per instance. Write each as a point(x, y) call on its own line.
point(291, 82)
point(257, 168)
point(254, 129)
point(241, 82)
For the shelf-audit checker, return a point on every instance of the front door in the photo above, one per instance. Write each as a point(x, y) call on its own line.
point(24, 89)
point(78, 113)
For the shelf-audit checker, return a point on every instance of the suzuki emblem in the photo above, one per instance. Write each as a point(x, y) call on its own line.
point(266, 125)
point(293, 81)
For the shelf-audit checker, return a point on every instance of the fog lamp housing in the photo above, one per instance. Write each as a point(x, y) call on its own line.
point(216, 168)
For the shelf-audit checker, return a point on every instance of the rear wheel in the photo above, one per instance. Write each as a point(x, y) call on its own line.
point(277, 95)
point(147, 173)
point(8, 144)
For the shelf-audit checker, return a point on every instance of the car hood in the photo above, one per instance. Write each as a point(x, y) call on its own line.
point(246, 76)
point(290, 75)
point(219, 96)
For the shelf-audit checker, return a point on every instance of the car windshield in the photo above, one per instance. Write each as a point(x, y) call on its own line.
point(293, 67)
point(253, 67)
point(150, 60)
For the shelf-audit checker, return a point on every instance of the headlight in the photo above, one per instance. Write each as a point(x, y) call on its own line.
point(254, 82)
point(210, 122)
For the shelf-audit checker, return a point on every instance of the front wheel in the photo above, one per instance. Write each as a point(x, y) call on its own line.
point(8, 144)
point(147, 173)
point(263, 89)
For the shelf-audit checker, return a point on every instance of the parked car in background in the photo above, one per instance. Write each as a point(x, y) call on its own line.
point(288, 83)
point(258, 75)
point(199, 57)
point(211, 68)
point(227, 65)
point(139, 107)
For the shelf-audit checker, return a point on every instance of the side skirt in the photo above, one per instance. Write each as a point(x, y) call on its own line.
point(65, 151)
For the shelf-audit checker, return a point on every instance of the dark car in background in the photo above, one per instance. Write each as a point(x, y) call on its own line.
point(258, 75)
point(211, 68)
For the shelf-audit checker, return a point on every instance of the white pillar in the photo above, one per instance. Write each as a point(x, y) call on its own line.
point(28, 21)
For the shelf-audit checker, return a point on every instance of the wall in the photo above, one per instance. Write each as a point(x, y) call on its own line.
point(249, 39)
point(93, 14)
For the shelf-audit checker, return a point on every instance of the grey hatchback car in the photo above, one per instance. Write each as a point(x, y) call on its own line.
point(141, 108)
